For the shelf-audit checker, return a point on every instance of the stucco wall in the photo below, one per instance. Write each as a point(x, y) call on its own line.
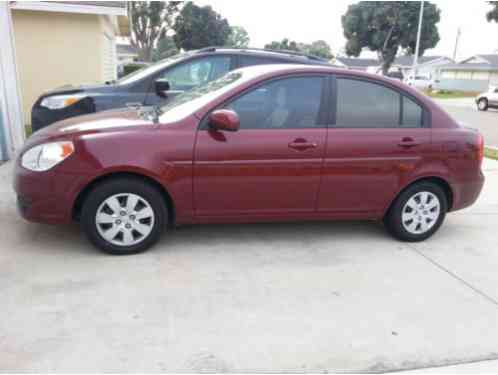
point(56, 49)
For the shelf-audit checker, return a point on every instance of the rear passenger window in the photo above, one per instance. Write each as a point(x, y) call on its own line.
point(254, 60)
point(412, 114)
point(362, 104)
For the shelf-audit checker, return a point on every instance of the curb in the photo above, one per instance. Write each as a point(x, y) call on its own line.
point(491, 152)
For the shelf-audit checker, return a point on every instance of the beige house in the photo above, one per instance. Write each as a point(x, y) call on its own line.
point(61, 43)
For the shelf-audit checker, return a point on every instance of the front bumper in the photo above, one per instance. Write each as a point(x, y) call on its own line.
point(42, 117)
point(46, 197)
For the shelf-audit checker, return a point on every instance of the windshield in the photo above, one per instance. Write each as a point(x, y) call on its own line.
point(151, 69)
point(188, 102)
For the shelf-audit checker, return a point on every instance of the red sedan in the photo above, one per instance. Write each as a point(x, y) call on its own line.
point(264, 143)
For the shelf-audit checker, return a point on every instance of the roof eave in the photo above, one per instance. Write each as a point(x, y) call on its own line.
point(67, 8)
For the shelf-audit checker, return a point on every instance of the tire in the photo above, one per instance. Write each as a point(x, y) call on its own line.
point(132, 215)
point(482, 104)
point(397, 219)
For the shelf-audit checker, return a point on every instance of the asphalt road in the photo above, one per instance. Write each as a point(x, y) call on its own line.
point(299, 297)
point(465, 111)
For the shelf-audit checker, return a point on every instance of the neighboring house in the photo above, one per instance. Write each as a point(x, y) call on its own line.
point(356, 63)
point(476, 73)
point(126, 54)
point(60, 43)
point(427, 66)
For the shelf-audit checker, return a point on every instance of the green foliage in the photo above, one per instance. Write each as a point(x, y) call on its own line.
point(238, 37)
point(385, 26)
point(165, 48)
point(318, 48)
point(130, 68)
point(285, 44)
point(492, 15)
point(198, 27)
point(150, 21)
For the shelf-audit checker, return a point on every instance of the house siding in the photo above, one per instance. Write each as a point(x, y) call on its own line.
point(55, 49)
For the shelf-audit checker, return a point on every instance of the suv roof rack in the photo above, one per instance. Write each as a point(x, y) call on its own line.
point(251, 49)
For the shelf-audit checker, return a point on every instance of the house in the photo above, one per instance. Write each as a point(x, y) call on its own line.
point(126, 54)
point(356, 63)
point(475, 74)
point(60, 43)
point(427, 66)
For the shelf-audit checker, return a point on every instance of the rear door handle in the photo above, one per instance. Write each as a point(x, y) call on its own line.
point(408, 142)
point(301, 144)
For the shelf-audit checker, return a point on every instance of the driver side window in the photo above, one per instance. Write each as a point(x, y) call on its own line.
point(193, 73)
point(281, 104)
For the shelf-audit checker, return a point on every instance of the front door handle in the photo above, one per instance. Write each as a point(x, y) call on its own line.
point(408, 142)
point(302, 144)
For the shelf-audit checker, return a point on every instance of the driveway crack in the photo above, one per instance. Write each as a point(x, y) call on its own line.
point(454, 275)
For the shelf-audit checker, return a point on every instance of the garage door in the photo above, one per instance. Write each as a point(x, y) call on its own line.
point(109, 55)
point(3, 155)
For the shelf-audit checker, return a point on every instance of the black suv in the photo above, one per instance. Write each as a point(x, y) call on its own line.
point(156, 83)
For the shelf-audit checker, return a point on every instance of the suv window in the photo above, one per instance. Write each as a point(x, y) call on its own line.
point(190, 74)
point(284, 103)
point(255, 60)
point(362, 104)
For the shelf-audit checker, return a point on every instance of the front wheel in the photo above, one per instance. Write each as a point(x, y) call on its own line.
point(124, 216)
point(417, 213)
point(482, 104)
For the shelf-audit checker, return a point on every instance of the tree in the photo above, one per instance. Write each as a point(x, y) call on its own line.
point(150, 21)
point(385, 26)
point(238, 37)
point(492, 15)
point(198, 27)
point(285, 44)
point(318, 48)
point(166, 47)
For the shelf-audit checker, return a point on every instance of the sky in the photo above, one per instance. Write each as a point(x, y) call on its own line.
point(306, 21)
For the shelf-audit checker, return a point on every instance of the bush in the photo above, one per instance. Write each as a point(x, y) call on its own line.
point(130, 68)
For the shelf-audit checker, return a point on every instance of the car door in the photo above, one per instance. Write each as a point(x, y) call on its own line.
point(188, 74)
point(271, 165)
point(377, 138)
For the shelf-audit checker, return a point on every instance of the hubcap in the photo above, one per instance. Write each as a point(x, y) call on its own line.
point(482, 104)
point(421, 212)
point(124, 219)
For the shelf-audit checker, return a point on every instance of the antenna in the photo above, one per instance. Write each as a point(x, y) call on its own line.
point(459, 32)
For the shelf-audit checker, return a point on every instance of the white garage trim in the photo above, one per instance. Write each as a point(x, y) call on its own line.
point(10, 95)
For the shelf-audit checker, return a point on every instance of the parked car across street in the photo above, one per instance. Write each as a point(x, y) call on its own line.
point(488, 99)
point(264, 143)
point(156, 83)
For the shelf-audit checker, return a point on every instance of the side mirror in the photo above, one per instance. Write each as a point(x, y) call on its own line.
point(161, 87)
point(224, 119)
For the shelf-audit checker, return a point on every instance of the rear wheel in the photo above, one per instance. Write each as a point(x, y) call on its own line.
point(417, 213)
point(482, 104)
point(123, 216)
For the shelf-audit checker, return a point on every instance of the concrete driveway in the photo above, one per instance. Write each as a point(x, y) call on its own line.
point(295, 297)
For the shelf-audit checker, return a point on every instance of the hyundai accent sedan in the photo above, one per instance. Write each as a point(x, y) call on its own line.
point(264, 143)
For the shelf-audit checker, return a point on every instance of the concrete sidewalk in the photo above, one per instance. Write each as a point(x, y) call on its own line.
point(297, 297)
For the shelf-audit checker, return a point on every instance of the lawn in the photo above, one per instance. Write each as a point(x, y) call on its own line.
point(451, 94)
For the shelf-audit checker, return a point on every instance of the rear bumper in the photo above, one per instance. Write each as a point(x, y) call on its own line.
point(466, 193)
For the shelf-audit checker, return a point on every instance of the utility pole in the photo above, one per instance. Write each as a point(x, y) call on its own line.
point(417, 46)
point(456, 44)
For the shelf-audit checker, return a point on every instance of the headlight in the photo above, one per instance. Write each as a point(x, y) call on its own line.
point(43, 157)
point(61, 101)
